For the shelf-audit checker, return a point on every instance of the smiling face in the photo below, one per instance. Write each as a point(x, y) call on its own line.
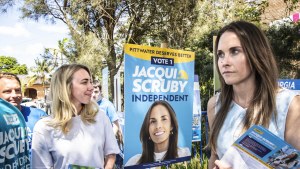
point(82, 88)
point(232, 62)
point(10, 90)
point(160, 127)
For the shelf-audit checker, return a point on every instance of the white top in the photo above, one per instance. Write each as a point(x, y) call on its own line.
point(182, 152)
point(232, 126)
point(84, 144)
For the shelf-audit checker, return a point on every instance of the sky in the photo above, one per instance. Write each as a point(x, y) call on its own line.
point(26, 39)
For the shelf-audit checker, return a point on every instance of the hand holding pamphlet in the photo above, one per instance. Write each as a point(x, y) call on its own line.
point(260, 149)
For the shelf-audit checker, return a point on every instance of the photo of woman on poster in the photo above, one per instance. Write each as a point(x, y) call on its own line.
point(159, 136)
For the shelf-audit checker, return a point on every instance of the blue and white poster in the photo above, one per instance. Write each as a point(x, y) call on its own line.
point(292, 84)
point(196, 111)
point(158, 93)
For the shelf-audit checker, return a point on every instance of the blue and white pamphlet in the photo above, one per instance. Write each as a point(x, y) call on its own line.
point(260, 149)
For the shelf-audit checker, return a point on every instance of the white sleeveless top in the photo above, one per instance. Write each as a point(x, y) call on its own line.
point(232, 126)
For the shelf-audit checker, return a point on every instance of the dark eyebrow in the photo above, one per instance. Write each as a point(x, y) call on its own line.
point(230, 49)
point(161, 117)
point(236, 47)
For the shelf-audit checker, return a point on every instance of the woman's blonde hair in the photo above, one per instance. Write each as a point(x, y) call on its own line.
point(262, 62)
point(62, 107)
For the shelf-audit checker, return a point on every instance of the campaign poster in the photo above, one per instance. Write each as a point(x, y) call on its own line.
point(158, 93)
point(196, 111)
point(292, 84)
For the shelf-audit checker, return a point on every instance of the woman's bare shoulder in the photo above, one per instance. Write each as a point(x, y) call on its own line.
point(292, 134)
point(211, 109)
point(212, 102)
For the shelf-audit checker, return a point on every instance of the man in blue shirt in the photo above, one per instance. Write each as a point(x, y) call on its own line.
point(107, 107)
point(10, 90)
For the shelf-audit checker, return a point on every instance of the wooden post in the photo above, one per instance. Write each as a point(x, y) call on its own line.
point(164, 45)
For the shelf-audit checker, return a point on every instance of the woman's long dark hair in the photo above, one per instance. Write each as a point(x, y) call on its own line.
point(262, 63)
point(148, 145)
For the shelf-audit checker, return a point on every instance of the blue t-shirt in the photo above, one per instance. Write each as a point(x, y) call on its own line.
point(107, 107)
point(31, 116)
point(14, 146)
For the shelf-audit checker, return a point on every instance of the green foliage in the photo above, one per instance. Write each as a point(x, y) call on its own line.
point(5, 4)
point(53, 57)
point(214, 14)
point(204, 66)
point(285, 40)
point(91, 51)
point(40, 72)
point(291, 4)
point(100, 28)
point(68, 49)
point(10, 64)
point(165, 24)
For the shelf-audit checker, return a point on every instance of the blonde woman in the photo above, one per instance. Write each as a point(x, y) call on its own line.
point(249, 91)
point(76, 133)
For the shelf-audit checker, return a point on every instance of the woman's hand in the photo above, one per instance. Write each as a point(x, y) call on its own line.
point(221, 165)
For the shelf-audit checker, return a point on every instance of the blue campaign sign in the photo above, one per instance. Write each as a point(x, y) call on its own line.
point(292, 84)
point(196, 111)
point(158, 96)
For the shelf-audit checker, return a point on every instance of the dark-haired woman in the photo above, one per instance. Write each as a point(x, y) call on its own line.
point(159, 136)
point(249, 91)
